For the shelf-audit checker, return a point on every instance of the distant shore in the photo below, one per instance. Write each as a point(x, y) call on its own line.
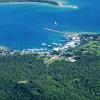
point(54, 2)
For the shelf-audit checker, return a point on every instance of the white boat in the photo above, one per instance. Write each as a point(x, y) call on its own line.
point(55, 44)
point(56, 23)
point(44, 44)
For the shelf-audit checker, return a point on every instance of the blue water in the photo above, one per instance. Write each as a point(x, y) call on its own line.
point(21, 26)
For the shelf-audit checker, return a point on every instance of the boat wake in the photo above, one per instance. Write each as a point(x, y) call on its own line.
point(69, 6)
point(52, 30)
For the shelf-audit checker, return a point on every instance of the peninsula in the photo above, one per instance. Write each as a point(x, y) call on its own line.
point(54, 2)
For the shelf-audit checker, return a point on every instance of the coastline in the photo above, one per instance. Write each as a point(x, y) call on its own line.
point(43, 3)
point(75, 39)
point(56, 3)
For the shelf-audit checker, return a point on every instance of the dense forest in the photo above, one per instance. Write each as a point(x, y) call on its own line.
point(27, 77)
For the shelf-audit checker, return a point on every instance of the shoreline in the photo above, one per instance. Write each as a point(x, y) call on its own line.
point(74, 41)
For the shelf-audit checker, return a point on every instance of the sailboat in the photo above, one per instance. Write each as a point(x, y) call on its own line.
point(55, 23)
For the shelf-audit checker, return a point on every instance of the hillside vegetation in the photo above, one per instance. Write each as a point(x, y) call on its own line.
point(27, 77)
